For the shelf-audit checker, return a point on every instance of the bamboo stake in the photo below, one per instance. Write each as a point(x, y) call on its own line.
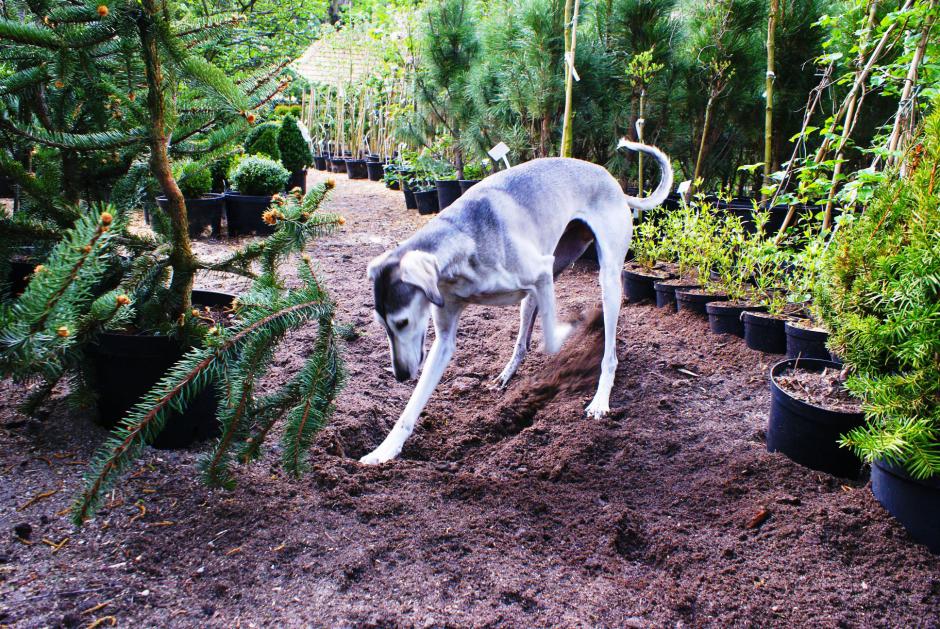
point(905, 107)
point(640, 123)
point(571, 40)
point(769, 95)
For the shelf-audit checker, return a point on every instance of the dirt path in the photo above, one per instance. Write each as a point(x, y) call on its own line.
point(637, 520)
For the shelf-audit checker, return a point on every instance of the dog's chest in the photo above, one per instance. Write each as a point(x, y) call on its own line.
point(490, 288)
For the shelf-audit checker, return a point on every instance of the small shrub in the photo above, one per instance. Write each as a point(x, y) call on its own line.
point(879, 295)
point(295, 154)
point(193, 178)
point(220, 168)
point(263, 141)
point(259, 176)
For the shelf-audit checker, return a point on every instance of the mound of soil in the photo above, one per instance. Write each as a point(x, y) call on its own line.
point(667, 512)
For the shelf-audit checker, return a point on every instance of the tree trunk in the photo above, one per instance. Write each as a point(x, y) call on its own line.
point(571, 40)
point(706, 126)
point(769, 104)
point(182, 260)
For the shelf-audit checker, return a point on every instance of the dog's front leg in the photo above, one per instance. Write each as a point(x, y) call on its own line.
point(442, 350)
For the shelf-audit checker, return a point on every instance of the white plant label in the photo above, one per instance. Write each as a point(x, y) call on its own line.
point(499, 152)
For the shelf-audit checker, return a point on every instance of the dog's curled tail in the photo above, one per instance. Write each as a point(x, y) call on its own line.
point(665, 183)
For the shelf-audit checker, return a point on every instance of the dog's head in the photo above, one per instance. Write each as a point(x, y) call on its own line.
point(404, 288)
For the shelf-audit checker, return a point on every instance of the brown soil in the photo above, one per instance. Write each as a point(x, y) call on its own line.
point(682, 282)
point(667, 512)
point(825, 389)
point(705, 291)
point(656, 272)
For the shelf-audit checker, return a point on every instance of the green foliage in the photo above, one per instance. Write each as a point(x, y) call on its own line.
point(219, 168)
point(193, 178)
point(263, 140)
point(259, 176)
point(879, 294)
point(295, 154)
point(281, 111)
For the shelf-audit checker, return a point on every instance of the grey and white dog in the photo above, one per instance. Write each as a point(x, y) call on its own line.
point(503, 242)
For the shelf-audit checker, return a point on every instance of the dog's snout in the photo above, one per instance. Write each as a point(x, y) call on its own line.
point(401, 374)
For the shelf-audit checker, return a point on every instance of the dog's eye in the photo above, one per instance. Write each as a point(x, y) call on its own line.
point(401, 325)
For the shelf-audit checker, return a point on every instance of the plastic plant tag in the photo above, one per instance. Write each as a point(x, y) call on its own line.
point(499, 152)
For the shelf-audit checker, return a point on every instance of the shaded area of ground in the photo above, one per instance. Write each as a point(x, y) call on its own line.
point(640, 519)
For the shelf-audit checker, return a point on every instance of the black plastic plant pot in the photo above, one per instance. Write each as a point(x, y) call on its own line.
point(805, 342)
point(319, 162)
point(638, 285)
point(338, 164)
point(695, 300)
point(809, 434)
point(375, 170)
point(765, 333)
point(373, 158)
point(724, 317)
point(393, 185)
point(243, 214)
point(126, 366)
point(915, 503)
point(19, 275)
point(410, 202)
point(448, 191)
point(427, 202)
point(466, 184)
point(356, 168)
point(666, 293)
point(298, 179)
point(204, 212)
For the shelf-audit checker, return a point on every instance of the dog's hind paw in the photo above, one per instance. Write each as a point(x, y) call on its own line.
point(597, 409)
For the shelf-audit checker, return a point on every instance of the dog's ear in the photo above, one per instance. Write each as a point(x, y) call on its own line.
point(376, 265)
point(419, 268)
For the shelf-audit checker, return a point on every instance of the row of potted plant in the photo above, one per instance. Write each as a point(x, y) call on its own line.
point(703, 258)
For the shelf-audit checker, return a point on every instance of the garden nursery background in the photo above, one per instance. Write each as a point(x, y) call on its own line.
point(191, 193)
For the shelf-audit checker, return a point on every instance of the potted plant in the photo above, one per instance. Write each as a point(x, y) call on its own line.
point(472, 174)
point(681, 248)
point(810, 408)
point(645, 269)
point(204, 208)
point(295, 154)
point(425, 195)
point(806, 336)
point(712, 240)
point(262, 140)
point(255, 180)
point(879, 295)
point(735, 265)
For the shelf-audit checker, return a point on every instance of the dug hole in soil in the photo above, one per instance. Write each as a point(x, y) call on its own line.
point(667, 512)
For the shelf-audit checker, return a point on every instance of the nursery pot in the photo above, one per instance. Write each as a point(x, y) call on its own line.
point(666, 292)
point(203, 212)
point(765, 333)
point(338, 164)
point(724, 317)
point(448, 191)
point(410, 202)
point(373, 158)
point(466, 184)
point(126, 366)
point(915, 503)
point(319, 162)
point(298, 179)
point(806, 342)
point(375, 169)
point(427, 202)
point(695, 300)
point(243, 213)
point(638, 285)
point(806, 433)
point(356, 168)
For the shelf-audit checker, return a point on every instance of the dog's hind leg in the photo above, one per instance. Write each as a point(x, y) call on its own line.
point(554, 331)
point(611, 294)
point(527, 312)
point(442, 350)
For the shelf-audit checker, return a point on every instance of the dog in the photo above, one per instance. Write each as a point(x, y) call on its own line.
point(504, 242)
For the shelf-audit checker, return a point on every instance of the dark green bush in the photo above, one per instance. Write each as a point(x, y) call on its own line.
point(263, 141)
point(220, 167)
point(879, 295)
point(259, 176)
point(193, 178)
point(295, 154)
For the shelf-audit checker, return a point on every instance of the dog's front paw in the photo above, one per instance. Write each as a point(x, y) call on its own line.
point(376, 457)
point(597, 409)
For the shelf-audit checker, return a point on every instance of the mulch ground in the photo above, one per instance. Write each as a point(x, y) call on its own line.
point(668, 512)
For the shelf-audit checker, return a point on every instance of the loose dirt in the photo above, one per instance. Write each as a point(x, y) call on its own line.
point(667, 512)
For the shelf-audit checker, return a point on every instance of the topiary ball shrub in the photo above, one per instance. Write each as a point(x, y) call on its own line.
point(259, 176)
point(295, 154)
point(193, 179)
point(262, 140)
point(879, 295)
